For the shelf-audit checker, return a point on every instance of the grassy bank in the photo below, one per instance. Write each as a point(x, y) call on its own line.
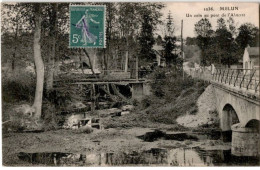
point(172, 96)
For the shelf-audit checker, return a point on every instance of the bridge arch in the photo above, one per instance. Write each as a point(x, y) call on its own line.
point(229, 117)
point(254, 124)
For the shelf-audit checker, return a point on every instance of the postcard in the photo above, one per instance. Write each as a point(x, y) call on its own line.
point(101, 84)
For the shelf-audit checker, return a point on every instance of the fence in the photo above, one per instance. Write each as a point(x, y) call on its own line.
point(242, 78)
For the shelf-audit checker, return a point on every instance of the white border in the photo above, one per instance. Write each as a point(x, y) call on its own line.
point(71, 1)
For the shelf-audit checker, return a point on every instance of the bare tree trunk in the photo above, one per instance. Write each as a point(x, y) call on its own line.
point(105, 61)
point(126, 56)
point(112, 97)
point(81, 64)
point(38, 63)
point(116, 91)
point(91, 66)
point(15, 47)
point(94, 61)
point(49, 81)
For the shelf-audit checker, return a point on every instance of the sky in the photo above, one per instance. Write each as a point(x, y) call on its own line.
point(179, 11)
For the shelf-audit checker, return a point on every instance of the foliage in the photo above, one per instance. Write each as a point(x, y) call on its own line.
point(226, 47)
point(204, 32)
point(169, 25)
point(248, 35)
point(52, 117)
point(191, 41)
point(203, 28)
point(171, 97)
point(84, 129)
point(169, 42)
point(169, 46)
point(179, 96)
point(223, 46)
point(18, 86)
point(192, 53)
point(146, 39)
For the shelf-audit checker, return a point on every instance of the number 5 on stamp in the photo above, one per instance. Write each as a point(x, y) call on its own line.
point(87, 26)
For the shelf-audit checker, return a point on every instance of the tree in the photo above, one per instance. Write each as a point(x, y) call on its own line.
point(53, 34)
point(191, 41)
point(15, 20)
point(111, 12)
point(221, 24)
point(169, 46)
point(126, 24)
point(231, 26)
point(169, 25)
point(169, 42)
point(203, 28)
point(225, 47)
point(146, 39)
point(38, 61)
point(248, 35)
point(204, 33)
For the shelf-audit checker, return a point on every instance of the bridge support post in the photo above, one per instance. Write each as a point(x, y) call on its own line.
point(137, 91)
point(245, 141)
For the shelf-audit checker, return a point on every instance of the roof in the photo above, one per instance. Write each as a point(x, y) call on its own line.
point(253, 51)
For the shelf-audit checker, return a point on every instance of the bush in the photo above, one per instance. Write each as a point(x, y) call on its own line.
point(146, 102)
point(18, 86)
point(84, 129)
point(135, 102)
point(172, 96)
point(15, 125)
point(18, 121)
point(50, 117)
point(187, 92)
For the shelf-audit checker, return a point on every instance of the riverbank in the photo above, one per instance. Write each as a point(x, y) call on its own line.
point(100, 141)
point(206, 114)
point(171, 97)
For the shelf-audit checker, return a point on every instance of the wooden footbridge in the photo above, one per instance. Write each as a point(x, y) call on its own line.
point(138, 86)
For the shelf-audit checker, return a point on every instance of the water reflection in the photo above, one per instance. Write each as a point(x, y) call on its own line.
point(155, 156)
point(157, 134)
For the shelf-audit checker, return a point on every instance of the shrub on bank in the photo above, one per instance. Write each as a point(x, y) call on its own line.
point(172, 96)
point(18, 86)
point(84, 129)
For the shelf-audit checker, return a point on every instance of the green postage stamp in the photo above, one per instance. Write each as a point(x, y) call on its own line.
point(87, 26)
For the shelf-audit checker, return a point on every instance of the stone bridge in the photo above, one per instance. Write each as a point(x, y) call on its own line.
point(238, 105)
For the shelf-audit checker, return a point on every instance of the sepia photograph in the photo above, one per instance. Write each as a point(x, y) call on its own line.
point(130, 84)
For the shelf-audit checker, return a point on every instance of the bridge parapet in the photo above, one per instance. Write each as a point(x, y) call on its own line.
point(243, 79)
